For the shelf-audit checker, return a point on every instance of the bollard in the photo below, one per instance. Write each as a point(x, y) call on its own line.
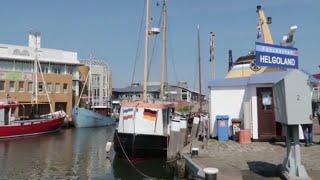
point(183, 133)
point(194, 129)
point(194, 152)
point(210, 173)
point(108, 146)
point(174, 142)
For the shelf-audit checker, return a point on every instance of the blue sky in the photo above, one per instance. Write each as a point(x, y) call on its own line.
point(110, 29)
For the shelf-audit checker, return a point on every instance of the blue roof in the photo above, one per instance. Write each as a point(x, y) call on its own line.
point(264, 78)
point(226, 82)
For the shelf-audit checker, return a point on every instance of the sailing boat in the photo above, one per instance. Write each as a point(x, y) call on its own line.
point(12, 127)
point(144, 127)
point(98, 111)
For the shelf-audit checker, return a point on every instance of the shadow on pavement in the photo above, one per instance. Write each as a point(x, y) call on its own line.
point(263, 169)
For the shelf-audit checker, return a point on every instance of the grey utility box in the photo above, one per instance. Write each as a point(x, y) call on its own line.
point(292, 96)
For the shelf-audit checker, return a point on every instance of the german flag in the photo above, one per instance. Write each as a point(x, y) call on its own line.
point(150, 115)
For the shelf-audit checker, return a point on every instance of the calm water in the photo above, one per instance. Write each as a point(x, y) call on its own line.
point(71, 154)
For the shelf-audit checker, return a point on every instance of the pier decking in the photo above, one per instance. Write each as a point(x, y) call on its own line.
point(257, 160)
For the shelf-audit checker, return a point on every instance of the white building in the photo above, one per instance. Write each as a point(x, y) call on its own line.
point(59, 67)
point(249, 99)
point(100, 82)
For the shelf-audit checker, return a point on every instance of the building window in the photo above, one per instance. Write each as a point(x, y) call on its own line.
point(57, 87)
point(11, 86)
point(22, 66)
point(65, 88)
point(30, 84)
point(40, 87)
point(49, 87)
point(6, 65)
point(21, 86)
point(184, 95)
point(2, 83)
point(45, 68)
point(57, 69)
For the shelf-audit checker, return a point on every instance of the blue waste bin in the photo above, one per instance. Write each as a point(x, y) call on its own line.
point(223, 127)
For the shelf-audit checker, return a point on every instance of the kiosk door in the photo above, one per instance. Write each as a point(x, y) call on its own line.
point(266, 117)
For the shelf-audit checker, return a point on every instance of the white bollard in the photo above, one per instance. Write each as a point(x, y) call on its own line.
point(108, 147)
point(210, 173)
point(194, 152)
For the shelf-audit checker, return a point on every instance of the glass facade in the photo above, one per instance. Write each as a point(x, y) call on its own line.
point(27, 66)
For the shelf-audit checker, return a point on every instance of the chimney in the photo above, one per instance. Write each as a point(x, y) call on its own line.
point(34, 39)
point(230, 60)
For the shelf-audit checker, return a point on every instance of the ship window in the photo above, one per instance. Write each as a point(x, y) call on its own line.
point(11, 86)
point(2, 85)
point(65, 88)
point(30, 84)
point(57, 87)
point(21, 86)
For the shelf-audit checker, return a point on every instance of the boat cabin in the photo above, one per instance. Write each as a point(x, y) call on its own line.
point(145, 118)
point(7, 110)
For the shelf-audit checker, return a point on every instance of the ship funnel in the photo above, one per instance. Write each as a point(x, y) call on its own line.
point(230, 60)
point(258, 8)
point(269, 20)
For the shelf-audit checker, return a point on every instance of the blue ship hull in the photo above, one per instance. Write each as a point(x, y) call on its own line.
point(88, 118)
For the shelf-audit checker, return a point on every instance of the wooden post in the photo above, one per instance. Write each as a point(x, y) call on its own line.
point(183, 133)
point(174, 141)
point(194, 130)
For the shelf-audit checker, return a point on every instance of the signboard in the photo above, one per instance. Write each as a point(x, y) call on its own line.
point(15, 76)
point(276, 56)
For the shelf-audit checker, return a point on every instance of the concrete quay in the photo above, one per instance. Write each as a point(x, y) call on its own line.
point(257, 160)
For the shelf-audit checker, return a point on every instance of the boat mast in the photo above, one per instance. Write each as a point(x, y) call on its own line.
point(146, 46)
point(164, 49)
point(35, 72)
point(90, 81)
point(199, 63)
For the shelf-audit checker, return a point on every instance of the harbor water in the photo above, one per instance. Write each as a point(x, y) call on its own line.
point(72, 154)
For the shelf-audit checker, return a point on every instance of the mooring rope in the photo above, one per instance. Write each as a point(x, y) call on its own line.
point(130, 162)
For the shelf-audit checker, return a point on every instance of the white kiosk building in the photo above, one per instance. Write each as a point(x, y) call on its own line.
point(249, 99)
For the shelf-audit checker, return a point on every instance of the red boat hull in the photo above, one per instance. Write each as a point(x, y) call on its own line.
point(31, 128)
